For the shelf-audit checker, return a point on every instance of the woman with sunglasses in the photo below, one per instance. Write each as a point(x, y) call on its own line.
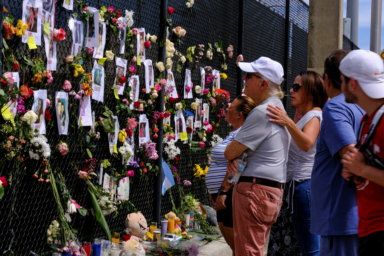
point(308, 96)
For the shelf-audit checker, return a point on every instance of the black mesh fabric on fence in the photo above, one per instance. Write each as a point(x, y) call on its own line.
point(28, 207)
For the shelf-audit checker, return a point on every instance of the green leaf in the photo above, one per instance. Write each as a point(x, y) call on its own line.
point(98, 213)
point(82, 211)
point(1, 192)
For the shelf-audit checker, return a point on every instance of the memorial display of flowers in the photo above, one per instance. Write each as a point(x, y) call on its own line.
point(128, 131)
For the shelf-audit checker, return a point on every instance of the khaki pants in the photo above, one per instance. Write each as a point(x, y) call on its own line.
point(255, 209)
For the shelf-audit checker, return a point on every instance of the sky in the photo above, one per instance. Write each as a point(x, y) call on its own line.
point(364, 23)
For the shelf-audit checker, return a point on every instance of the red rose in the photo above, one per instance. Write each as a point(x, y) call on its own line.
point(171, 10)
point(161, 115)
point(136, 104)
point(114, 20)
point(167, 114)
point(3, 181)
point(147, 44)
point(155, 129)
point(142, 164)
point(145, 170)
point(172, 100)
point(16, 65)
point(122, 79)
point(48, 115)
point(155, 136)
point(176, 159)
point(189, 130)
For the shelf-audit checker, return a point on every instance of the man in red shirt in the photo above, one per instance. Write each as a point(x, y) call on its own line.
point(363, 84)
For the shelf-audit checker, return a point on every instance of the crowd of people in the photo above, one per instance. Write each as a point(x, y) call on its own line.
point(327, 162)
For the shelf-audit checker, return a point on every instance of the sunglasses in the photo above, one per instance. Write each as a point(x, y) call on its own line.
point(296, 87)
point(250, 75)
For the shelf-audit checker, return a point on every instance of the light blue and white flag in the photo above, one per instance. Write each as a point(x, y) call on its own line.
point(168, 180)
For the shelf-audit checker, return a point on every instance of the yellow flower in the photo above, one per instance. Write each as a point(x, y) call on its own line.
point(122, 135)
point(223, 76)
point(21, 27)
point(200, 172)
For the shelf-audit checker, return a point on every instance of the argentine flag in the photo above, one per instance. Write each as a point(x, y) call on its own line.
point(168, 180)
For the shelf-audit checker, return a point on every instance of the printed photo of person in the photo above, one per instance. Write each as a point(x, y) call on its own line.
point(61, 105)
point(31, 18)
point(48, 5)
point(91, 27)
point(142, 48)
point(78, 32)
point(119, 73)
point(133, 84)
point(97, 76)
point(142, 130)
point(39, 109)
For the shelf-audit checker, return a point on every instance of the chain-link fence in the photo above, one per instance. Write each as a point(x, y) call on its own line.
point(28, 207)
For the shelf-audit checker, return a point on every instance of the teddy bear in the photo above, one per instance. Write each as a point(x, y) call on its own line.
point(172, 215)
point(136, 225)
point(133, 248)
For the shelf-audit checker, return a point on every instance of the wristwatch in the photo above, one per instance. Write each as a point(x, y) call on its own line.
point(222, 191)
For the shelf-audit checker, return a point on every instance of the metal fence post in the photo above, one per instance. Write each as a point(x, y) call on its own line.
point(240, 28)
point(160, 107)
point(286, 49)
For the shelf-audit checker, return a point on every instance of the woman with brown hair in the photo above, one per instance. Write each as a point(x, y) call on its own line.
point(308, 96)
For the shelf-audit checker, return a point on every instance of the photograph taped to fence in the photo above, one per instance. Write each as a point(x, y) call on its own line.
point(134, 84)
point(121, 71)
point(12, 103)
point(123, 189)
point(188, 85)
point(39, 106)
point(122, 36)
point(62, 114)
point(31, 16)
point(112, 136)
point(77, 29)
point(98, 75)
point(198, 113)
point(216, 80)
point(51, 52)
point(140, 38)
point(143, 129)
point(99, 50)
point(202, 79)
point(149, 75)
point(85, 112)
point(91, 39)
point(171, 85)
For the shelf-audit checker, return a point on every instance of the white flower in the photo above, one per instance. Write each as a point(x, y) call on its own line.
point(129, 18)
point(183, 59)
point(194, 105)
point(160, 66)
point(198, 89)
point(169, 63)
point(153, 38)
point(171, 150)
point(71, 207)
point(109, 54)
point(39, 146)
point(126, 151)
point(30, 117)
point(178, 106)
point(209, 54)
point(216, 139)
point(169, 49)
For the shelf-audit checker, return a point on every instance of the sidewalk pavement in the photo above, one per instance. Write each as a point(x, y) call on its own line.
point(216, 248)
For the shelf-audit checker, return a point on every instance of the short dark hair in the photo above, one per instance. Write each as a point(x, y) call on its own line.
point(331, 67)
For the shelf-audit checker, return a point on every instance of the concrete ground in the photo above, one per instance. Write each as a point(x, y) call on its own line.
point(215, 248)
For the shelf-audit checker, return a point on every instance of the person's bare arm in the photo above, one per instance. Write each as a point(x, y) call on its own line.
point(234, 150)
point(354, 164)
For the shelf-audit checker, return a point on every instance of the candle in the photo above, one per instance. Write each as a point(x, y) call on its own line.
point(171, 225)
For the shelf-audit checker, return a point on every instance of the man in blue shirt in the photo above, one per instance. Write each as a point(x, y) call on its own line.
point(333, 204)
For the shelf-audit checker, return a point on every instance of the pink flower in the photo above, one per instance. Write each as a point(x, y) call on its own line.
point(171, 137)
point(157, 87)
point(59, 34)
point(63, 148)
point(90, 50)
point(205, 91)
point(86, 9)
point(131, 123)
point(208, 128)
point(134, 31)
point(134, 59)
point(188, 88)
point(48, 103)
point(49, 77)
point(69, 59)
point(202, 144)
point(83, 174)
point(187, 183)
point(206, 123)
point(150, 149)
point(132, 69)
point(131, 173)
point(3, 181)
point(163, 81)
point(67, 86)
point(111, 9)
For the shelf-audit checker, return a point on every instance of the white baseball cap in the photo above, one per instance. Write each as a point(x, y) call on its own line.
point(270, 69)
point(368, 69)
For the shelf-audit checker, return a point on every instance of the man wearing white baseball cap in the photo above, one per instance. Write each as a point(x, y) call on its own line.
point(363, 84)
point(257, 197)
